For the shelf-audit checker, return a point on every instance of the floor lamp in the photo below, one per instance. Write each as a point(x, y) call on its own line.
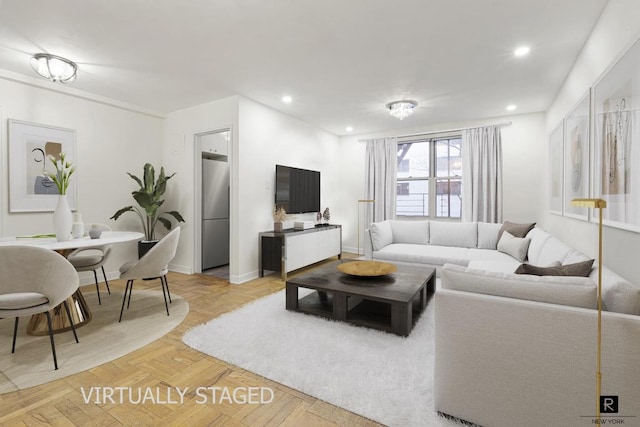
point(359, 202)
point(596, 204)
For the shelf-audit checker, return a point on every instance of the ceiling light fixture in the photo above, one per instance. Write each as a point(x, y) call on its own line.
point(287, 99)
point(54, 68)
point(511, 107)
point(401, 109)
point(522, 51)
point(349, 129)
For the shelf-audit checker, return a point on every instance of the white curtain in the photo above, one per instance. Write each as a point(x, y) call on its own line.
point(482, 172)
point(380, 179)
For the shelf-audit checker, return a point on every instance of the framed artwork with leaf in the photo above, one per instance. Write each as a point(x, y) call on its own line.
point(576, 157)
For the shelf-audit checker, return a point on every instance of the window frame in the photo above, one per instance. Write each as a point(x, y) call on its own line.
point(432, 177)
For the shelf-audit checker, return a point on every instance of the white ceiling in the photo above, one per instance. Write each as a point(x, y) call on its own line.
point(340, 60)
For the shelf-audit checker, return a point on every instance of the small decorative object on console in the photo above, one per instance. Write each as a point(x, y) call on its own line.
point(279, 216)
point(326, 215)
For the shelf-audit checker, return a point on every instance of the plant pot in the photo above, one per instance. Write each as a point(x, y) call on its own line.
point(62, 219)
point(277, 226)
point(144, 246)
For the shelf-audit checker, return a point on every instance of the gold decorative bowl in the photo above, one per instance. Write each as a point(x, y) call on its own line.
point(367, 268)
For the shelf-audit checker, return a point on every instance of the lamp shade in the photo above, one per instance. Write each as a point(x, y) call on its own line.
point(589, 203)
point(54, 68)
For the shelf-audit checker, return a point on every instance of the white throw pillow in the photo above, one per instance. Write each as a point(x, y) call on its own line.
point(515, 246)
point(381, 235)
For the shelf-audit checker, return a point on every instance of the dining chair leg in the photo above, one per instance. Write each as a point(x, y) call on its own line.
point(15, 332)
point(124, 298)
point(95, 276)
point(164, 295)
point(106, 282)
point(73, 327)
point(53, 345)
point(166, 283)
point(130, 292)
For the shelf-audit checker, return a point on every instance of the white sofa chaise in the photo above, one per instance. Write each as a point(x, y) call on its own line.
point(513, 349)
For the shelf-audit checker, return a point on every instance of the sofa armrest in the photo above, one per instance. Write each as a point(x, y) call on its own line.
point(368, 245)
point(503, 362)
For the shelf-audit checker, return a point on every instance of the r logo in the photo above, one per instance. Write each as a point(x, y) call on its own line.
point(609, 404)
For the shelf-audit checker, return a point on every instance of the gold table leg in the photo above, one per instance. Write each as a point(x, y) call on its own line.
point(80, 314)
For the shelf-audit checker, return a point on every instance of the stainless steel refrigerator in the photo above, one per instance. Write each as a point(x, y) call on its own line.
point(215, 212)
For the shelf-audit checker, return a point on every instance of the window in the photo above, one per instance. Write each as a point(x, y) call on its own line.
point(429, 178)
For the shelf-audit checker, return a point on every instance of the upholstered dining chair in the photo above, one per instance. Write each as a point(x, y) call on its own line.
point(91, 259)
point(152, 265)
point(35, 280)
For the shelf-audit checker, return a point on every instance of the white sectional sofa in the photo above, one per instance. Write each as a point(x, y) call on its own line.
point(515, 349)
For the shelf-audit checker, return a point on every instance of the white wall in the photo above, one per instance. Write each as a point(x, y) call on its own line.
point(267, 138)
point(523, 150)
point(111, 141)
point(179, 153)
point(617, 28)
point(261, 137)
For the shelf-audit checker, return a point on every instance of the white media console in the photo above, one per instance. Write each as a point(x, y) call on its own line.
point(288, 250)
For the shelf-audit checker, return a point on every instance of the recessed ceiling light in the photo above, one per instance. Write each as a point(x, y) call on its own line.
point(511, 107)
point(522, 51)
point(349, 129)
point(287, 99)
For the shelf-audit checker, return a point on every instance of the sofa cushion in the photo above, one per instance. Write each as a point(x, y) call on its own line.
point(416, 232)
point(553, 250)
point(424, 254)
point(618, 294)
point(381, 234)
point(460, 234)
point(515, 246)
point(572, 291)
point(517, 230)
point(502, 266)
point(580, 269)
point(575, 256)
point(538, 237)
point(488, 235)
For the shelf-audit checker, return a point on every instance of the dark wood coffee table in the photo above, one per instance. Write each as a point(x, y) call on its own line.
point(390, 303)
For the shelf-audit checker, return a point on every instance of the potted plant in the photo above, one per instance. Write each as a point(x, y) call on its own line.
point(62, 219)
point(149, 197)
point(279, 217)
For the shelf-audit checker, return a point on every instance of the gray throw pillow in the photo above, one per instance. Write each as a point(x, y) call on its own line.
point(515, 246)
point(516, 230)
point(581, 269)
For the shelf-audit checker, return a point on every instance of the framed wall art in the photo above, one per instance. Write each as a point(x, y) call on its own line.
point(30, 144)
point(576, 157)
point(556, 164)
point(616, 174)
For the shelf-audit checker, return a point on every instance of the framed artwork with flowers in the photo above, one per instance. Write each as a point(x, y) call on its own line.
point(34, 150)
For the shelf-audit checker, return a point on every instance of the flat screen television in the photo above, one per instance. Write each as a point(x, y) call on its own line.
point(297, 190)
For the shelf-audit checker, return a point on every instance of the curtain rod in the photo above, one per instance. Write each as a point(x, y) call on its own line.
point(503, 124)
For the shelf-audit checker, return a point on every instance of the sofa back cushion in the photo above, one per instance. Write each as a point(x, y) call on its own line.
point(488, 235)
point(461, 234)
point(553, 250)
point(572, 291)
point(538, 237)
point(416, 232)
point(381, 234)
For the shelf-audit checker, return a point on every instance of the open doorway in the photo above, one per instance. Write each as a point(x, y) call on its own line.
point(212, 156)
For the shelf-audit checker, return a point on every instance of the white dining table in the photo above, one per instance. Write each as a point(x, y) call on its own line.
point(80, 311)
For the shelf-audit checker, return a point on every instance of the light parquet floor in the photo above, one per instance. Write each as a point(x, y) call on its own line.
point(168, 363)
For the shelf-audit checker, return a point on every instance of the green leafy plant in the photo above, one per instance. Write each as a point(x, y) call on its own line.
point(149, 197)
point(62, 176)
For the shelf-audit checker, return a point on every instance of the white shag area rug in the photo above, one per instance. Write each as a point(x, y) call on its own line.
point(101, 340)
point(378, 375)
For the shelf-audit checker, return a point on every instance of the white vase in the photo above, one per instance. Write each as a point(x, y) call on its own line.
point(62, 219)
